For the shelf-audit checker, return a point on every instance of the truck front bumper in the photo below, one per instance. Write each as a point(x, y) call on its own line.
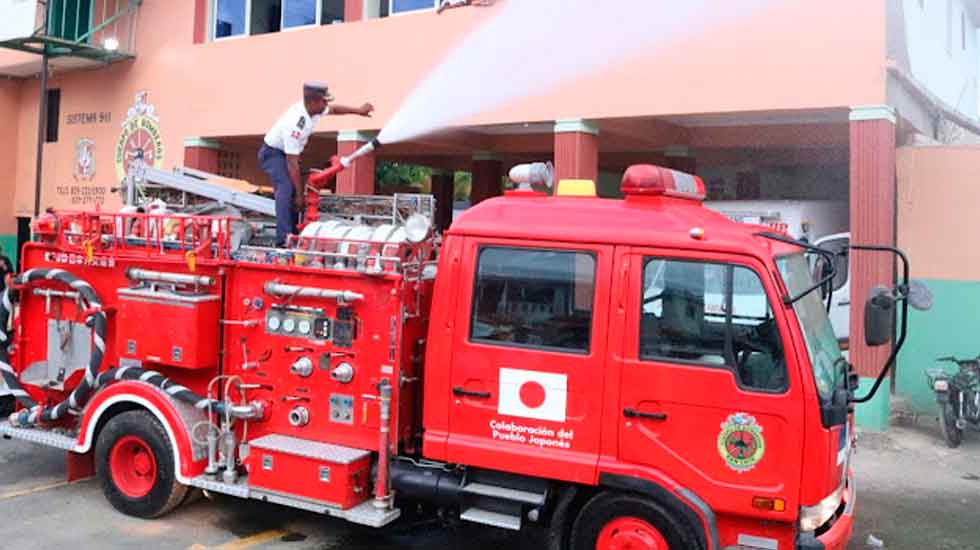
point(841, 526)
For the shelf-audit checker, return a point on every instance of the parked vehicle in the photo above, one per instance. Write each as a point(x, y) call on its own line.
point(821, 222)
point(958, 395)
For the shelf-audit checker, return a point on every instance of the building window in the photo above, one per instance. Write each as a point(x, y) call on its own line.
point(963, 30)
point(402, 6)
point(534, 298)
point(251, 17)
point(949, 28)
point(54, 113)
point(229, 18)
point(299, 13)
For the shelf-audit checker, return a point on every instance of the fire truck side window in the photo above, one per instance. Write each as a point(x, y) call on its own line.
point(535, 298)
point(711, 314)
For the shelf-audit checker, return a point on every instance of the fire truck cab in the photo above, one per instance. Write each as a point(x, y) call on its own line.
point(596, 371)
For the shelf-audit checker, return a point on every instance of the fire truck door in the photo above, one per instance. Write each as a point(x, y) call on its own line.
point(529, 347)
point(707, 394)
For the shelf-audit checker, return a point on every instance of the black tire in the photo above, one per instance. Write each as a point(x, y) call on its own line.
point(166, 492)
point(947, 423)
point(606, 508)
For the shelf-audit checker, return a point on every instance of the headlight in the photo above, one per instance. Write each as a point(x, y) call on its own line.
point(812, 517)
point(941, 385)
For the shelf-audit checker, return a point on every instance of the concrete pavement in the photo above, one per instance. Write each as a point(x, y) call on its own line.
point(914, 494)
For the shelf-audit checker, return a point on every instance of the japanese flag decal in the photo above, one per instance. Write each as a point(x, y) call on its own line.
point(532, 394)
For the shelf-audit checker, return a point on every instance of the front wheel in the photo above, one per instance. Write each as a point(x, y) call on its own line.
point(947, 422)
point(614, 522)
point(134, 461)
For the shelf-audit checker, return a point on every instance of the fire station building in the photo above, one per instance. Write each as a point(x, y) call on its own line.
point(873, 103)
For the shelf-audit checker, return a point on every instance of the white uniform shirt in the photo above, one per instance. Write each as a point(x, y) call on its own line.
point(293, 129)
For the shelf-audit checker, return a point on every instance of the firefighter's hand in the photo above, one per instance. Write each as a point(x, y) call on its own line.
point(299, 203)
point(366, 110)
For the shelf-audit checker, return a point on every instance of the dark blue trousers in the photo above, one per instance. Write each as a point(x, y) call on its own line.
point(273, 162)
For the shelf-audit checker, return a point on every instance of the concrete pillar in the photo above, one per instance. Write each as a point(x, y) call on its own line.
point(681, 158)
point(443, 190)
point(487, 177)
point(201, 154)
point(873, 195)
point(576, 150)
point(358, 179)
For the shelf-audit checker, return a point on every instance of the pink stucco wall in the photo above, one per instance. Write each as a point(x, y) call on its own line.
point(938, 193)
point(798, 55)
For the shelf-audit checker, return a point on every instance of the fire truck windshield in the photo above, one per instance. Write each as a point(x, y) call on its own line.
point(821, 343)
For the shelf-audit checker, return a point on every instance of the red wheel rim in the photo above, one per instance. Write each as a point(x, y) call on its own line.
point(133, 466)
point(630, 534)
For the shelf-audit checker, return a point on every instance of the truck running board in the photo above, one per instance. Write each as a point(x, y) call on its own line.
point(362, 514)
point(48, 438)
point(494, 519)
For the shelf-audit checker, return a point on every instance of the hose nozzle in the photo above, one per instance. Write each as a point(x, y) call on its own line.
point(368, 147)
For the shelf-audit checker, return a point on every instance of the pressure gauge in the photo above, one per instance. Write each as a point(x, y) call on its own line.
point(288, 325)
point(273, 323)
point(304, 326)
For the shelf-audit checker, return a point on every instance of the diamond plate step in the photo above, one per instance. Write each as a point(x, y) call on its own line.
point(239, 489)
point(504, 493)
point(309, 449)
point(42, 437)
point(494, 519)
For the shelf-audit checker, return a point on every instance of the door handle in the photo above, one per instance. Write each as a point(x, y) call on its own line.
point(844, 303)
point(458, 390)
point(633, 413)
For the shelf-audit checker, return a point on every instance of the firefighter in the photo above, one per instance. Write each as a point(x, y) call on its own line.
point(283, 144)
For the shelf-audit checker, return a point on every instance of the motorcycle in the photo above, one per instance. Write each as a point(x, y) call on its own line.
point(958, 395)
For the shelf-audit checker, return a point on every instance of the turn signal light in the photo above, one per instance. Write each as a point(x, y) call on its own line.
point(769, 504)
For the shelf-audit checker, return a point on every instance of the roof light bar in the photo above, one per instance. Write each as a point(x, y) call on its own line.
point(650, 180)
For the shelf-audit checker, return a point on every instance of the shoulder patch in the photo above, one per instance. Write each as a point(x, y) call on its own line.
point(302, 122)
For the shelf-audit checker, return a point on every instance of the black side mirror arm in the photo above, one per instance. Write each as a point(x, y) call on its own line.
point(902, 290)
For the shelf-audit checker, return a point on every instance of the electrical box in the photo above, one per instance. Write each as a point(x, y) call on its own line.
point(319, 472)
point(167, 328)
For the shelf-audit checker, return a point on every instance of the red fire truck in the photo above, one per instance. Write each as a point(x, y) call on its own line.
point(589, 369)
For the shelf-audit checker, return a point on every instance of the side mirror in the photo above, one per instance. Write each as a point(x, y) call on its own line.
point(879, 317)
point(919, 296)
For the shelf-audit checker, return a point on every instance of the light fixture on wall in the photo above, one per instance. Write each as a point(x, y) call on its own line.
point(111, 44)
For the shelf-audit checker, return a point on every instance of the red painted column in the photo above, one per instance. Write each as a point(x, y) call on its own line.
point(873, 195)
point(358, 179)
point(353, 10)
point(201, 154)
point(443, 189)
point(487, 178)
point(576, 150)
point(201, 21)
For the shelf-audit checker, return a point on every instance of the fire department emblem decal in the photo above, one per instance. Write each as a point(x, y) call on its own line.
point(140, 139)
point(84, 160)
point(740, 442)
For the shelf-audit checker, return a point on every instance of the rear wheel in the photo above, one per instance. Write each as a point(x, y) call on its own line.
point(134, 461)
point(625, 522)
point(947, 422)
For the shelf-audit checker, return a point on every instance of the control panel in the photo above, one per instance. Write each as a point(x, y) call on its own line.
point(298, 322)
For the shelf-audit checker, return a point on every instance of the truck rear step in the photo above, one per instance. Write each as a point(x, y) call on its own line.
point(494, 519)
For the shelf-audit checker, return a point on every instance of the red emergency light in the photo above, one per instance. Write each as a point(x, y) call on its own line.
point(650, 180)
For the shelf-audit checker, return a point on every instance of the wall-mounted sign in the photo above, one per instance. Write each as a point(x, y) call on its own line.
point(140, 139)
point(102, 117)
point(84, 160)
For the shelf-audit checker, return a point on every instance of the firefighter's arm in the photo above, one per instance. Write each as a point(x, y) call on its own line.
point(292, 166)
point(364, 110)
